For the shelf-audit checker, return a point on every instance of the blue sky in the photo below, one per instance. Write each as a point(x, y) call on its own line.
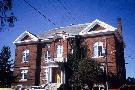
point(65, 12)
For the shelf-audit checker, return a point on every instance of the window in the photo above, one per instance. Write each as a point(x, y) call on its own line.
point(102, 67)
point(24, 73)
point(46, 74)
point(59, 50)
point(98, 49)
point(47, 55)
point(25, 56)
point(71, 51)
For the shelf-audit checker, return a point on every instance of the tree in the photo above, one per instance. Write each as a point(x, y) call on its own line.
point(6, 18)
point(5, 67)
point(130, 80)
point(80, 70)
point(88, 73)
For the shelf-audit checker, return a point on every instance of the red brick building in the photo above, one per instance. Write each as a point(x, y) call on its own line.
point(36, 55)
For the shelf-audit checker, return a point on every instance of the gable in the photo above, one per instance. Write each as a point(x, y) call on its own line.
point(26, 37)
point(96, 28)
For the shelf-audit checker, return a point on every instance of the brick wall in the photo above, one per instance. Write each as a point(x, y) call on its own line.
point(30, 64)
point(109, 41)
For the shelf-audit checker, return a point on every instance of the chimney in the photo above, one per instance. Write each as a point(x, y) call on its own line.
point(119, 26)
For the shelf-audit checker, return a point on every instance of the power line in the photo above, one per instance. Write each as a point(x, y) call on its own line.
point(45, 17)
point(57, 8)
point(68, 11)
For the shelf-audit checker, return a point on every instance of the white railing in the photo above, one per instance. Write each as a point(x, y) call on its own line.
point(59, 59)
point(49, 60)
point(53, 86)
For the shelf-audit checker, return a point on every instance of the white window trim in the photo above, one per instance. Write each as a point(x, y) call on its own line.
point(102, 67)
point(97, 44)
point(24, 68)
point(25, 71)
point(59, 51)
point(48, 55)
point(46, 74)
point(24, 57)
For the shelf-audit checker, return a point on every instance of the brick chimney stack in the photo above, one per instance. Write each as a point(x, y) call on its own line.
point(119, 26)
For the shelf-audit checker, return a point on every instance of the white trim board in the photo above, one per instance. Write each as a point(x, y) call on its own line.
point(95, 22)
point(18, 40)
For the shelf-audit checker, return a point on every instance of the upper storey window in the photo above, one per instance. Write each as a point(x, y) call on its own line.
point(47, 55)
point(98, 49)
point(59, 50)
point(25, 56)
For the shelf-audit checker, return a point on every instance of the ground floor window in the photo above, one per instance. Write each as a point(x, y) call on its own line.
point(24, 74)
point(46, 74)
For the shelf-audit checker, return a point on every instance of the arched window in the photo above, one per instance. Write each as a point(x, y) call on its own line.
point(25, 56)
point(98, 49)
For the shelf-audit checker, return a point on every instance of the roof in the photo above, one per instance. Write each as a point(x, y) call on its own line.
point(72, 30)
point(85, 29)
point(79, 29)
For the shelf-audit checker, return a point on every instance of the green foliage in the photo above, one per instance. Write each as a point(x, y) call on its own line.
point(130, 80)
point(5, 67)
point(88, 72)
point(80, 70)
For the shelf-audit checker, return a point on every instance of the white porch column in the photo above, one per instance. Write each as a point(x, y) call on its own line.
point(50, 74)
point(61, 77)
point(64, 77)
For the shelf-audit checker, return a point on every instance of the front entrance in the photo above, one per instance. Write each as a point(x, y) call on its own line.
point(56, 75)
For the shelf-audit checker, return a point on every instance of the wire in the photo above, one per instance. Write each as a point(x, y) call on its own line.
point(40, 13)
point(57, 8)
point(68, 11)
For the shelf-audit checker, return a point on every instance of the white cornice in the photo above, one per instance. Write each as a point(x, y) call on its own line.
point(95, 22)
point(18, 40)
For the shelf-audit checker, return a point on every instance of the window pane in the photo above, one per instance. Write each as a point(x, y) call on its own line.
point(46, 74)
point(21, 75)
point(59, 50)
point(95, 51)
point(25, 55)
point(24, 74)
point(99, 50)
point(47, 55)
